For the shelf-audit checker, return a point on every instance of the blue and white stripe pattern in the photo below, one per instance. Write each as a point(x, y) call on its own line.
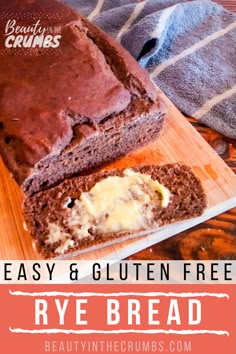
point(188, 47)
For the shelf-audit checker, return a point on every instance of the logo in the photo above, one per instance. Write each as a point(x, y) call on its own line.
point(35, 36)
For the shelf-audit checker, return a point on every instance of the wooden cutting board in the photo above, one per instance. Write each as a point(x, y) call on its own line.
point(179, 142)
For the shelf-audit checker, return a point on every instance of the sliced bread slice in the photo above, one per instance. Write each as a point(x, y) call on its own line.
point(108, 206)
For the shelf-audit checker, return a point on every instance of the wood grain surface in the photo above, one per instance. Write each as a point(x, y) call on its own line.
point(228, 4)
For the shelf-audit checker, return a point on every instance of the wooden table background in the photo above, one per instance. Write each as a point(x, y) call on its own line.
point(215, 238)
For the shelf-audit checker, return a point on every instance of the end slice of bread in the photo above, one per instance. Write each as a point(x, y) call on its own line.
point(109, 206)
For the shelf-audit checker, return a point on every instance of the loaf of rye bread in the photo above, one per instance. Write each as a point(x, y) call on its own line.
point(69, 109)
point(51, 207)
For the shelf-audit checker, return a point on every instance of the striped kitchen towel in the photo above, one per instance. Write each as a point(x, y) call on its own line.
point(188, 47)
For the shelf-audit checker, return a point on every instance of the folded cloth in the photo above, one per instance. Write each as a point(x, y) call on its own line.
point(188, 47)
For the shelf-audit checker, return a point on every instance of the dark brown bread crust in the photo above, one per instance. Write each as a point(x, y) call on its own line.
point(188, 200)
point(55, 107)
